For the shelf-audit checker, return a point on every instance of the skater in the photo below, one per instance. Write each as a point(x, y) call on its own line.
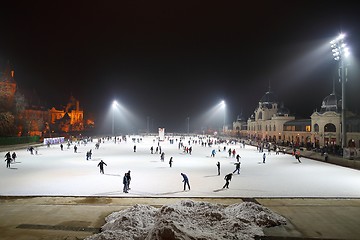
point(297, 156)
point(125, 182)
point(75, 149)
point(8, 160)
point(185, 181)
point(101, 165)
point(87, 155)
point(7, 155)
point(213, 153)
point(90, 153)
point(238, 158)
point(264, 157)
point(227, 179)
point(218, 167)
point(128, 180)
point(61, 147)
point(229, 151)
point(14, 156)
point(171, 161)
point(237, 167)
point(152, 150)
point(134, 148)
point(162, 156)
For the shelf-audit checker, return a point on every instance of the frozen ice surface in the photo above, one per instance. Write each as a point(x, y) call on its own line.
point(53, 172)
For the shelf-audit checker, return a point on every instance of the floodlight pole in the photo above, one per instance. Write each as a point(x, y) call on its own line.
point(340, 51)
point(113, 117)
point(342, 70)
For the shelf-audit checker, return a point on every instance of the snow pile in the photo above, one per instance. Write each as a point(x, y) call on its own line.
point(189, 220)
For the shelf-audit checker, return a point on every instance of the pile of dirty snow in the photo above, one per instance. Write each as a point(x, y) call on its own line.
point(189, 220)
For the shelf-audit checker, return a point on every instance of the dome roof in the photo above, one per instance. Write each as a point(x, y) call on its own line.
point(331, 103)
point(269, 97)
point(282, 111)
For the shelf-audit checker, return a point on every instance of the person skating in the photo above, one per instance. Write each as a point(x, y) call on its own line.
point(297, 156)
point(238, 158)
point(75, 149)
point(8, 155)
point(14, 156)
point(125, 182)
point(134, 148)
point(213, 153)
point(101, 165)
point(264, 157)
point(8, 161)
point(61, 147)
point(237, 167)
point(128, 179)
point(227, 179)
point(162, 156)
point(185, 181)
point(171, 161)
point(218, 167)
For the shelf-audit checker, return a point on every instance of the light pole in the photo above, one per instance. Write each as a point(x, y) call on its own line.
point(340, 50)
point(114, 104)
point(223, 106)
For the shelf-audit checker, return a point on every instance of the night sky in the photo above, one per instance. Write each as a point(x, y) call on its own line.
point(171, 60)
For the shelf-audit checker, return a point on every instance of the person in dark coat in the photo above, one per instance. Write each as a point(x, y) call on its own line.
point(218, 167)
point(237, 167)
point(264, 157)
point(75, 149)
point(8, 161)
point(227, 179)
point(185, 181)
point(13, 156)
point(171, 161)
point(7, 155)
point(125, 182)
point(101, 165)
point(128, 176)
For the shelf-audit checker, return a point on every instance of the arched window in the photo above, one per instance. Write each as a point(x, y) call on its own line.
point(274, 128)
point(316, 127)
point(266, 128)
point(329, 128)
point(260, 115)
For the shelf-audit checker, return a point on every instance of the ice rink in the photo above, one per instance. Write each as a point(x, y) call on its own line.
point(53, 172)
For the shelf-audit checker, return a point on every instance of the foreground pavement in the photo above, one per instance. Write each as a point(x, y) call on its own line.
point(70, 218)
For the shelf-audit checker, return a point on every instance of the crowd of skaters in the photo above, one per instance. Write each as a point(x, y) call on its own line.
point(182, 144)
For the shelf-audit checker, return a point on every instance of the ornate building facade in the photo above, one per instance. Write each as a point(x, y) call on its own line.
point(275, 124)
point(30, 119)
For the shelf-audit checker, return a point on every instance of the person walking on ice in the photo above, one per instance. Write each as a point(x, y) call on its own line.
point(171, 161)
point(227, 179)
point(237, 167)
point(14, 156)
point(264, 157)
point(101, 165)
point(185, 181)
point(125, 182)
point(218, 167)
point(8, 160)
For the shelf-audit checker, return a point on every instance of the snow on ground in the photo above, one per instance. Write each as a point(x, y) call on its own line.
point(53, 172)
point(189, 220)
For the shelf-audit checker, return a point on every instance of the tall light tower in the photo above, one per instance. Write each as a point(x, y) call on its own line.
point(114, 105)
point(188, 125)
point(340, 51)
point(223, 106)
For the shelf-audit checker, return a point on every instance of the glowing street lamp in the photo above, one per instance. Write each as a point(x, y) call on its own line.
point(340, 51)
point(114, 105)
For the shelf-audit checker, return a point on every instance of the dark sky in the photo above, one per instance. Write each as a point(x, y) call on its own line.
point(171, 60)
